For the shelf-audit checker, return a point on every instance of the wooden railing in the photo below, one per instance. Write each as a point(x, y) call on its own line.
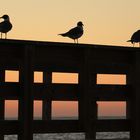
point(85, 60)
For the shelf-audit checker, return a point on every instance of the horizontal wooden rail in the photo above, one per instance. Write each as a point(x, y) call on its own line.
point(66, 92)
point(65, 126)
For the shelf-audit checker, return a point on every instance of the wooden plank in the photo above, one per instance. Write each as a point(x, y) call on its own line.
point(40, 91)
point(111, 56)
point(113, 125)
point(10, 90)
point(64, 126)
point(10, 127)
point(110, 68)
point(111, 92)
point(57, 126)
point(56, 91)
point(57, 66)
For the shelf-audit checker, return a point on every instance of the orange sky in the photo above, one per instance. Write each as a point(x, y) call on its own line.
point(105, 21)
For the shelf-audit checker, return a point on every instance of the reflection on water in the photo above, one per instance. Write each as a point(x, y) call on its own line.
point(74, 136)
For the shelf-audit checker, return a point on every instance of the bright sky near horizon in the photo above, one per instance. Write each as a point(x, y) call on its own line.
point(110, 22)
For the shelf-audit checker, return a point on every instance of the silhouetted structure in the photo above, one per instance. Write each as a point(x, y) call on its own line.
point(86, 60)
point(74, 33)
point(135, 38)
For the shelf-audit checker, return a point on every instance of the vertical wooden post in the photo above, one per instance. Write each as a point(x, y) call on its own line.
point(47, 103)
point(26, 98)
point(2, 102)
point(81, 107)
point(90, 106)
point(128, 109)
point(134, 81)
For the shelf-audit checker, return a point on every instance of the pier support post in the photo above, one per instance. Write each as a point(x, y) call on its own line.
point(2, 102)
point(90, 106)
point(47, 103)
point(26, 98)
point(134, 81)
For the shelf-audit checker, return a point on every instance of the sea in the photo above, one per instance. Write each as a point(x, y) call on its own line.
point(76, 136)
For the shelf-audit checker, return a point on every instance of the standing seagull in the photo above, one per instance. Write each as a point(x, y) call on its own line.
point(135, 38)
point(75, 33)
point(5, 26)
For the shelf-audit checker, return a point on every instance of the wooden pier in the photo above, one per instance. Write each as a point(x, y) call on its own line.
point(85, 60)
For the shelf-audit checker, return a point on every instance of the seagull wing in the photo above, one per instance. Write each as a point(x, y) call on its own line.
point(73, 31)
point(5, 26)
point(1, 26)
point(136, 36)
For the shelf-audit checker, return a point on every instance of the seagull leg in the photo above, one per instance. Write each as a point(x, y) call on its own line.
point(74, 40)
point(77, 41)
point(139, 44)
point(1, 35)
point(5, 35)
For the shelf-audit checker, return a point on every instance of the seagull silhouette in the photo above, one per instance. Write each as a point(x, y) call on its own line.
point(5, 26)
point(74, 33)
point(135, 38)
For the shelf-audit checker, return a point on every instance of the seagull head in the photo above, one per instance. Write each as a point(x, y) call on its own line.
point(80, 24)
point(5, 17)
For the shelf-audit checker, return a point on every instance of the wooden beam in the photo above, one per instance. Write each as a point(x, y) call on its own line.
point(134, 112)
point(113, 125)
point(10, 127)
point(2, 101)
point(56, 91)
point(47, 102)
point(26, 98)
point(57, 126)
point(111, 92)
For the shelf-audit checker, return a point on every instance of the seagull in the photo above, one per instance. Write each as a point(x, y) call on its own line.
point(135, 38)
point(74, 33)
point(5, 26)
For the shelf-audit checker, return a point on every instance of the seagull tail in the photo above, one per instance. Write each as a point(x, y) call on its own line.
point(63, 34)
point(129, 40)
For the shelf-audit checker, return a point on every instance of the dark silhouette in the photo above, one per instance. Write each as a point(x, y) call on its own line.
point(135, 38)
point(74, 33)
point(5, 26)
point(87, 61)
